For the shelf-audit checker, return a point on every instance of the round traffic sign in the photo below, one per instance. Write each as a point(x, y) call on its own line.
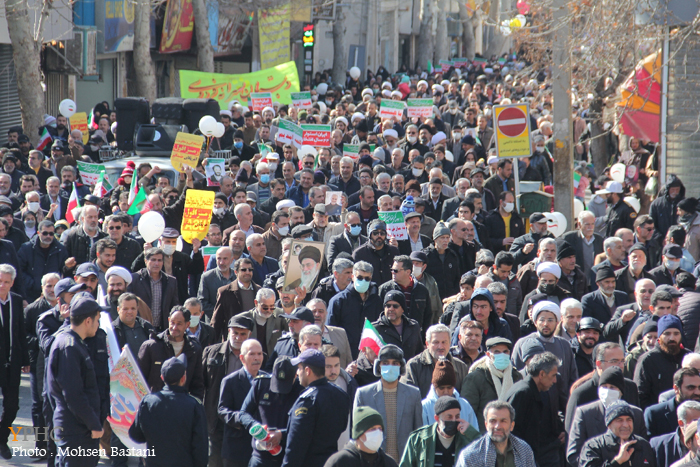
point(512, 122)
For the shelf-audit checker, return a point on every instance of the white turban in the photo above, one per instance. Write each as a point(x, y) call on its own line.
point(367, 91)
point(423, 82)
point(396, 94)
point(268, 108)
point(285, 203)
point(391, 133)
point(342, 119)
point(386, 93)
point(439, 88)
point(546, 305)
point(437, 137)
point(226, 112)
point(357, 116)
point(118, 271)
point(550, 267)
point(387, 84)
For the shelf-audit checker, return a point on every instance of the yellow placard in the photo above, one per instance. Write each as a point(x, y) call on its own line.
point(273, 31)
point(186, 150)
point(79, 122)
point(280, 81)
point(512, 128)
point(197, 214)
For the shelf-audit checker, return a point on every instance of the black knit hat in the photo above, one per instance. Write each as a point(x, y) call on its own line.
point(565, 250)
point(446, 403)
point(613, 375)
point(617, 409)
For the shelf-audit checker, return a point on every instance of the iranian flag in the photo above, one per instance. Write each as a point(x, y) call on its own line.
point(73, 203)
point(430, 68)
point(45, 140)
point(371, 338)
point(102, 187)
point(141, 205)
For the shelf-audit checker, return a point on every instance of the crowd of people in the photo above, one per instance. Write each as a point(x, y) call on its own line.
point(478, 339)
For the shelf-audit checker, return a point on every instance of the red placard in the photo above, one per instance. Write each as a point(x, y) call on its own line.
point(317, 135)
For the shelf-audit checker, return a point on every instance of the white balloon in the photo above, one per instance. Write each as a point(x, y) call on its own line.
point(322, 107)
point(617, 172)
point(522, 19)
point(67, 108)
point(355, 72)
point(578, 207)
point(322, 89)
point(220, 130)
point(151, 226)
point(207, 125)
point(306, 150)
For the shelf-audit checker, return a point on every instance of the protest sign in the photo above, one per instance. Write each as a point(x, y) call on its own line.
point(90, 173)
point(334, 203)
point(215, 171)
point(127, 388)
point(197, 216)
point(390, 109)
point(290, 133)
point(260, 100)
point(316, 135)
point(186, 150)
point(395, 225)
point(208, 252)
point(302, 100)
point(420, 108)
point(79, 121)
point(445, 65)
point(303, 265)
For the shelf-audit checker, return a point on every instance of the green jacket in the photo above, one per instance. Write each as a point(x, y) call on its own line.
point(420, 448)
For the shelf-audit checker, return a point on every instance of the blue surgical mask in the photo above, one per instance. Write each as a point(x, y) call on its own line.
point(361, 285)
point(390, 373)
point(265, 178)
point(238, 144)
point(501, 361)
point(355, 230)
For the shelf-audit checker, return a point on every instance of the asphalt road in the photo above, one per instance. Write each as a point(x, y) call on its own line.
point(24, 419)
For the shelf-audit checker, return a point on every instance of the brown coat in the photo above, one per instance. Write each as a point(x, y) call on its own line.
point(228, 304)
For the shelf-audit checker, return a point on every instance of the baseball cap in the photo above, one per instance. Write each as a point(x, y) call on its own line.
point(68, 285)
point(300, 312)
point(87, 269)
point(612, 187)
point(311, 357)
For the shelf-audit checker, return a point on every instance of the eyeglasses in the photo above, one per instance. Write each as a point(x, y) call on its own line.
point(396, 271)
point(266, 307)
point(246, 270)
point(614, 361)
point(46, 234)
point(355, 225)
point(378, 232)
point(392, 305)
point(115, 227)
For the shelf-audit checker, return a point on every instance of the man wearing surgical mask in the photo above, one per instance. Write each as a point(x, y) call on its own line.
point(589, 419)
point(367, 437)
point(393, 400)
point(671, 262)
point(442, 440)
point(198, 330)
point(504, 224)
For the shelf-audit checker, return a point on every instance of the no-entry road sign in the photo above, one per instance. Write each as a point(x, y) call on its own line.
point(512, 130)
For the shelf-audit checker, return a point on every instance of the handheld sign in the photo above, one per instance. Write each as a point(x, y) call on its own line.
point(186, 150)
point(395, 224)
point(390, 109)
point(260, 100)
point(197, 215)
point(302, 100)
point(316, 135)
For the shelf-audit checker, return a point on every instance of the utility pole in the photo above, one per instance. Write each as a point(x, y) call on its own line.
point(563, 123)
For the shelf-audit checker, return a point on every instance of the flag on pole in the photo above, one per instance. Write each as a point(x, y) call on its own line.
point(430, 68)
point(73, 203)
point(134, 188)
point(102, 187)
point(141, 205)
point(45, 140)
point(371, 338)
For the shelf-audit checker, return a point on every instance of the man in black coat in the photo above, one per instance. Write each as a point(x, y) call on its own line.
point(603, 303)
point(14, 353)
point(348, 241)
point(536, 419)
point(585, 241)
point(413, 221)
point(141, 286)
point(128, 249)
point(392, 319)
point(665, 273)
point(80, 238)
point(660, 418)
point(237, 448)
point(585, 390)
point(402, 279)
point(377, 252)
point(524, 248)
point(184, 443)
point(443, 262)
point(655, 369)
point(627, 277)
point(496, 219)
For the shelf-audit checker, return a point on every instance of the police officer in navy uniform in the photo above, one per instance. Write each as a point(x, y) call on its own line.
point(619, 214)
point(268, 403)
point(171, 422)
point(318, 417)
point(72, 385)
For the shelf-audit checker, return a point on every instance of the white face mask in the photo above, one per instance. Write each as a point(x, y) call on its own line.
point(194, 321)
point(540, 148)
point(509, 207)
point(456, 135)
point(411, 139)
point(219, 211)
point(417, 172)
point(672, 264)
point(34, 207)
point(607, 396)
point(168, 249)
point(417, 271)
point(373, 440)
point(272, 166)
point(283, 231)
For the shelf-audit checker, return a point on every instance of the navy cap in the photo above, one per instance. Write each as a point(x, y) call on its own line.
point(283, 373)
point(169, 232)
point(537, 217)
point(172, 370)
point(83, 305)
point(302, 230)
point(675, 293)
point(469, 139)
point(302, 313)
point(673, 251)
point(419, 256)
point(311, 357)
point(87, 269)
point(242, 322)
point(67, 285)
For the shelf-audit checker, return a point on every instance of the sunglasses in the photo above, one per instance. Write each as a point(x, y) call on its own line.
point(267, 308)
point(246, 269)
point(363, 278)
point(396, 271)
point(46, 234)
point(378, 232)
point(115, 227)
point(392, 305)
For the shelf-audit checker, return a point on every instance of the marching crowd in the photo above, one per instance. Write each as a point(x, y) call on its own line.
point(480, 339)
